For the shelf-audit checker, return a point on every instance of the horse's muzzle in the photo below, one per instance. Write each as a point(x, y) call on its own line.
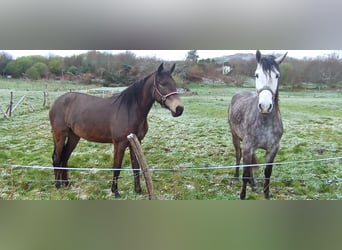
point(179, 111)
point(265, 109)
point(175, 105)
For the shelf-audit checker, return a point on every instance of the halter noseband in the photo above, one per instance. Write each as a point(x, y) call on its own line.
point(265, 88)
point(163, 97)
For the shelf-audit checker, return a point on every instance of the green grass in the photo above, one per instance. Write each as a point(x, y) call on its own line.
point(199, 138)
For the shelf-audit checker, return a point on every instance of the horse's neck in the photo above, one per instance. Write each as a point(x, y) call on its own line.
point(272, 118)
point(147, 99)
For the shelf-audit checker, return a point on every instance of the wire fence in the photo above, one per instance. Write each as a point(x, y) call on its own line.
point(180, 168)
point(213, 175)
point(189, 171)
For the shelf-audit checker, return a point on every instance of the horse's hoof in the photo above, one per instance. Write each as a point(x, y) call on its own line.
point(139, 191)
point(58, 184)
point(242, 196)
point(268, 196)
point(117, 194)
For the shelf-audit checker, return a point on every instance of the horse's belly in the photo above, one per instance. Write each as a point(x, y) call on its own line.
point(93, 134)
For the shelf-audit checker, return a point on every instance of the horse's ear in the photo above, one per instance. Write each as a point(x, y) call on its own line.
point(172, 68)
point(280, 58)
point(160, 68)
point(258, 56)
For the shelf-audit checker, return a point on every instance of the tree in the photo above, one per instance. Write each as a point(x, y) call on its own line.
point(37, 71)
point(192, 56)
point(100, 71)
point(4, 60)
point(331, 69)
point(73, 70)
point(12, 69)
point(33, 73)
point(290, 74)
point(127, 58)
point(56, 66)
point(19, 66)
point(41, 68)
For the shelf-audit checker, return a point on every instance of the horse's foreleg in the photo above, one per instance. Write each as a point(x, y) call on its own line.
point(252, 181)
point(136, 171)
point(247, 176)
point(119, 150)
point(268, 172)
point(270, 155)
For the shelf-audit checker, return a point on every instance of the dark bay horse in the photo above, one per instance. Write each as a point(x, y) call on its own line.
point(109, 120)
point(254, 119)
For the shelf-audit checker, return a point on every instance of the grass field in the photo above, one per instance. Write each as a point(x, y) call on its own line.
point(200, 138)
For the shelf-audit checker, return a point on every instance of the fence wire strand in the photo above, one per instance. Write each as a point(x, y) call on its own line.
point(94, 170)
point(184, 170)
point(188, 173)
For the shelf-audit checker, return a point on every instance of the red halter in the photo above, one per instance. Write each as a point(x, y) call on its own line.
point(163, 97)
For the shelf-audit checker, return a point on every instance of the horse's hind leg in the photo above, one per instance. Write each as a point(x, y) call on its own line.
point(119, 151)
point(73, 139)
point(136, 171)
point(237, 147)
point(59, 137)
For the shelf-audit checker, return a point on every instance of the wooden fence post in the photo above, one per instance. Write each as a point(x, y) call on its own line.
point(132, 138)
point(4, 113)
point(46, 94)
point(11, 105)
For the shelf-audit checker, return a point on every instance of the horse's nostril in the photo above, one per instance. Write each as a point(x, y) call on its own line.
point(260, 106)
point(179, 110)
point(270, 108)
point(265, 109)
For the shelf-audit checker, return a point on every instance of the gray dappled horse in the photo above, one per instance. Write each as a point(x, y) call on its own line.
point(254, 119)
point(110, 120)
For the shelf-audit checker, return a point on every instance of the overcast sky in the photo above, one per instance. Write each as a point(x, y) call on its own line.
point(175, 55)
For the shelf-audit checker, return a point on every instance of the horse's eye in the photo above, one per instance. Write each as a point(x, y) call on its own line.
point(257, 75)
point(277, 76)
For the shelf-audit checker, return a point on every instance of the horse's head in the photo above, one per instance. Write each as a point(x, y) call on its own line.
point(165, 91)
point(266, 80)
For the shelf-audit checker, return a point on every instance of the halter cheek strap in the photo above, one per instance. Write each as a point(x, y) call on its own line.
point(163, 97)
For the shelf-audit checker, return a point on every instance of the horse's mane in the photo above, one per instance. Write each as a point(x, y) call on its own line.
point(130, 95)
point(268, 63)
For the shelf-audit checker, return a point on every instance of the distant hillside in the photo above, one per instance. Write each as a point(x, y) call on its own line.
point(243, 56)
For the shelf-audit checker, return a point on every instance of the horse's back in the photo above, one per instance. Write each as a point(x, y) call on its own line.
point(76, 99)
point(86, 115)
point(243, 97)
point(73, 103)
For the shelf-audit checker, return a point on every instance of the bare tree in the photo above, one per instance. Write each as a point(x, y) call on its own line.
point(192, 56)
